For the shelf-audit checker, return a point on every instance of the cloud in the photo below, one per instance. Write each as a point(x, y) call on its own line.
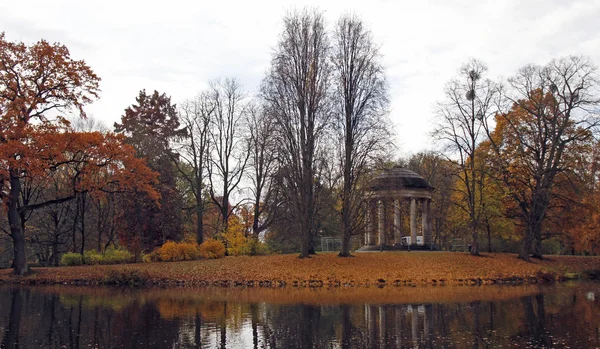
point(177, 46)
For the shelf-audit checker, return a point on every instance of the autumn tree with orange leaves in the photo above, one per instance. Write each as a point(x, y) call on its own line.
point(37, 83)
point(553, 110)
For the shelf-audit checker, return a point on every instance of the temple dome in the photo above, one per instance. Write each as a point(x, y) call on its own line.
point(398, 178)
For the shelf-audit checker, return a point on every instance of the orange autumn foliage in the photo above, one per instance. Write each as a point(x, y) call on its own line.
point(172, 251)
point(37, 83)
point(212, 249)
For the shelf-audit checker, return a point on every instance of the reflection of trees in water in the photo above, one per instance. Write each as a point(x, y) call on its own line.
point(534, 328)
point(50, 321)
point(11, 339)
point(31, 319)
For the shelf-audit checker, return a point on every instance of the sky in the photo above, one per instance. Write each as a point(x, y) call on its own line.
point(177, 47)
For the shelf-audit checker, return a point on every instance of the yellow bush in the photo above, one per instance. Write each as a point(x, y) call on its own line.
point(212, 249)
point(173, 251)
point(189, 250)
point(237, 242)
point(168, 251)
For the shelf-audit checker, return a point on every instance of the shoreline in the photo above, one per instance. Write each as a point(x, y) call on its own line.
point(325, 270)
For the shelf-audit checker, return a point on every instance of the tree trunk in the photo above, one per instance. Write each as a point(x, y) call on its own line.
point(82, 228)
point(532, 242)
point(526, 247)
point(489, 234)
point(536, 245)
point(55, 252)
point(475, 243)
point(346, 201)
point(305, 241)
point(347, 233)
point(16, 227)
point(256, 217)
point(199, 224)
point(307, 209)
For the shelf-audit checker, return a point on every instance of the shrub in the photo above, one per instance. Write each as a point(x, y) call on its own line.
point(116, 256)
point(71, 258)
point(168, 251)
point(173, 251)
point(212, 249)
point(92, 257)
point(189, 250)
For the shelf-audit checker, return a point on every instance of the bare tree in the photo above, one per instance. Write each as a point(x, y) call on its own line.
point(196, 116)
point(361, 107)
point(553, 109)
point(297, 95)
point(469, 103)
point(228, 149)
point(263, 165)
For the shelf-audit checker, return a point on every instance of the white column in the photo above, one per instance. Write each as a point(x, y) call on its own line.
point(424, 219)
point(369, 230)
point(427, 223)
point(397, 231)
point(381, 225)
point(413, 221)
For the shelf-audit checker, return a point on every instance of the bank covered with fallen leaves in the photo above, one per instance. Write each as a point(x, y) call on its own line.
point(326, 270)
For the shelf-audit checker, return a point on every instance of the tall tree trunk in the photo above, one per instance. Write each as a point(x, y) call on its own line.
point(55, 252)
point(307, 210)
point(16, 227)
point(475, 242)
point(347, 203)
point(82, 228)
point(199, 210)
point(256, 217)
point(199, 224)
point(489, 234)
point(225, 207)
point(75, 224)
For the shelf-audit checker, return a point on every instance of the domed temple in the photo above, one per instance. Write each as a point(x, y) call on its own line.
point(386, 198)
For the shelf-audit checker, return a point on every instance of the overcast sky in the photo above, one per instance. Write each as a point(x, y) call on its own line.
point(176, 46)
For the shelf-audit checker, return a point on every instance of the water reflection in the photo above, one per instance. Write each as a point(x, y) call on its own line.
point(66, 317)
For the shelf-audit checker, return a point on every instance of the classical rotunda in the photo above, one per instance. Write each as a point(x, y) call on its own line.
point(387, 198)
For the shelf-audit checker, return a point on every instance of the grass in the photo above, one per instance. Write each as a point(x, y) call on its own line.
point(325, 270)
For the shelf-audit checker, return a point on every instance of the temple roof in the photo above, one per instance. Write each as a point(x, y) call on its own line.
point(398, 178)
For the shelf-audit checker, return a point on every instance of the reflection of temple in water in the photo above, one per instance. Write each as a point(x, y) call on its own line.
point(399, 325)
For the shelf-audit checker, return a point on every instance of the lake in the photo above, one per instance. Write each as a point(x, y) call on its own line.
point(564, 315)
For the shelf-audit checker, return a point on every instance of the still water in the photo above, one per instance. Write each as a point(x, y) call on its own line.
point(558, 316)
